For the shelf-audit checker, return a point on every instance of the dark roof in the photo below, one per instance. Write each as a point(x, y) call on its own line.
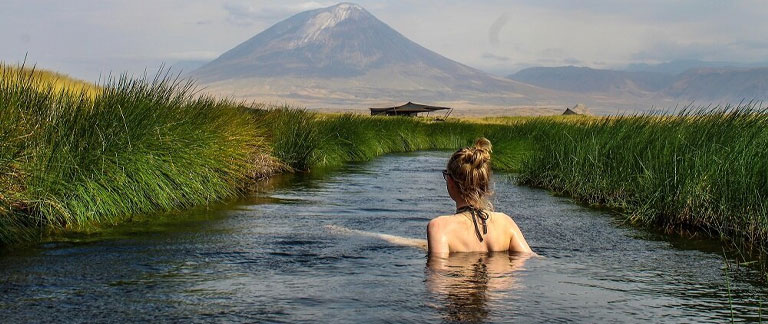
point(579, 109)
point(409, 107)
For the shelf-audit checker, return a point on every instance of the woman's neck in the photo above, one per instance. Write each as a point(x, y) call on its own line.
point(461, 203)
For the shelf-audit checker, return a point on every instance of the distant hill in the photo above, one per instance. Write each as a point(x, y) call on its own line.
point(720, 85)
point(584, 79)
point(344, 55)
point(703, 85)
point(680, 66)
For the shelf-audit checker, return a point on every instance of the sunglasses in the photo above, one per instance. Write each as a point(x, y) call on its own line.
point(446, 175)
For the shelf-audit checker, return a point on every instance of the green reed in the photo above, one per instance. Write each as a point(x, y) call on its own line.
point(70, 159)
point(701, 170)
point(305, 140)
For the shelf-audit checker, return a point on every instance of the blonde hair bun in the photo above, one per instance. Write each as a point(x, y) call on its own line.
point(482, 152)
point(483, 144)
point(470, 169)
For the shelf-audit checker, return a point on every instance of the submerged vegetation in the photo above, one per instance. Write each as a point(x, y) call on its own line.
point(74, 157)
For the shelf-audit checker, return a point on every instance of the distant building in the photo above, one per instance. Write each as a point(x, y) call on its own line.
point(410, 109)
point(579, 109)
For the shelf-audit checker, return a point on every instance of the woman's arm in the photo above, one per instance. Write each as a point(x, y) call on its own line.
point(397, 240)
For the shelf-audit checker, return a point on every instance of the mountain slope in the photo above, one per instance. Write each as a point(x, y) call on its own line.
point(679, 66)
point(344, 55)
point(725, 85)
point(703, 85)
point(341, 41)
point(584, 79)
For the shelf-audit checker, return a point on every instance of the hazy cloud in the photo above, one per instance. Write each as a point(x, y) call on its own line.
point(495, 57)
point(572, 61)
point(706, 51)
point(248, 12)
point(193, 55)
point(553, 53)
point(496, 26)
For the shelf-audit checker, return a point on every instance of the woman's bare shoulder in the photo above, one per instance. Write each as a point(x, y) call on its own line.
point(443, 224)
point(439, 221)
point(517, 241)
point(508, 219)
point(502, 215)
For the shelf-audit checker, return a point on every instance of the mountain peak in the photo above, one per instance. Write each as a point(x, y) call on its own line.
point(326, 18)
point(346, 6)
point(342, 43)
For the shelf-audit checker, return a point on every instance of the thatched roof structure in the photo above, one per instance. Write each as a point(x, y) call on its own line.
point(579, 109)
point(408, 109)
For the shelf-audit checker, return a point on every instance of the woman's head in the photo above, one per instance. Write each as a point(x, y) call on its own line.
point(470, 171)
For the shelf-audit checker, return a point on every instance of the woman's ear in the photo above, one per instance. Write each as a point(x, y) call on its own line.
point(451, 185)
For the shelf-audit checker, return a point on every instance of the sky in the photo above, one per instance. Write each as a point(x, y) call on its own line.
point(92, 38)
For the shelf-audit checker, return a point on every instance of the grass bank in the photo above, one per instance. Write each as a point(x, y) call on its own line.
point(304, 140)
point(695, 172)
point(71, 157)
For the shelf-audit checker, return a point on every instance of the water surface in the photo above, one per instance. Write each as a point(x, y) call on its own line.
point(271, 258)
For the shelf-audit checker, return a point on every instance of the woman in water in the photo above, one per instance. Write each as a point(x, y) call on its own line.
point(475, 227)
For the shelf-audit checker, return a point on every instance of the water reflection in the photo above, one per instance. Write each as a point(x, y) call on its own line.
point(467, 283)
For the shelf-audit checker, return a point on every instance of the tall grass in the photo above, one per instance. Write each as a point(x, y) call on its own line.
point(304, 140)
point(70, 159)
point(49, 79)
point(696, 171)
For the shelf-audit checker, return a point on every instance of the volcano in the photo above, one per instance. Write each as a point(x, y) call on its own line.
point(344, 56)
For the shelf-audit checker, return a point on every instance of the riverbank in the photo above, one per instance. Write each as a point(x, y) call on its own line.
point(696, 172)
point(79, 158)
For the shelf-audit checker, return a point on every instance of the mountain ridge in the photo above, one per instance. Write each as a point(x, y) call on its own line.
point(708, 84)
point(343, 55)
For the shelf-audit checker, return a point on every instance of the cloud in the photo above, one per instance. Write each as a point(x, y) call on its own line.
point(759, 45)
point(495, 29)
point(573, 61)
point(192, 55)
point(673, 50)
point(553, 52)
point(244, 13)
point(493, 57)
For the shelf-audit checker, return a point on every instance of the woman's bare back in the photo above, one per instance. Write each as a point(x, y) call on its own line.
point(456, 233)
